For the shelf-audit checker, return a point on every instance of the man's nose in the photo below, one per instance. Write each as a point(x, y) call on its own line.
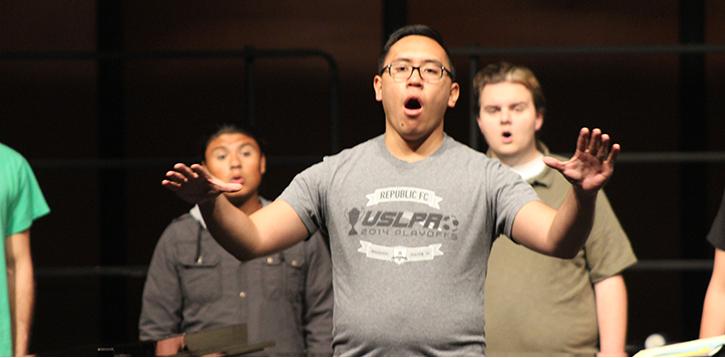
point(505, 116)
point(234, 161)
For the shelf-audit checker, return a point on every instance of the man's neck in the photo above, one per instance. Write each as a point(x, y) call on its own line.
point(518, 159)
point(412, 151)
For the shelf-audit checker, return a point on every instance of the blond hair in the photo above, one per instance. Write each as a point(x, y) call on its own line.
point(506, 72)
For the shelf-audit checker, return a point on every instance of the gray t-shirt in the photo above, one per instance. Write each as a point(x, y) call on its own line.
point(410, 243)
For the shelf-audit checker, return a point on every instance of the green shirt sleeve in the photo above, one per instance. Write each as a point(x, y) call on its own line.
point(25, 202)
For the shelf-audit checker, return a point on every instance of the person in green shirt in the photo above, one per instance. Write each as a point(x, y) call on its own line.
point(21, 202)
point(535, 304)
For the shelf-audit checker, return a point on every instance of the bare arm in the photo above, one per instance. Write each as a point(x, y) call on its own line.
point(713, 310)
point(270, 229)
point(562, 232)
point(169, 346)
point(611, 301)
point(21, 287)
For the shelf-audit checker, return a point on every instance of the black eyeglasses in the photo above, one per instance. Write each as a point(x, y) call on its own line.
point(430, 72)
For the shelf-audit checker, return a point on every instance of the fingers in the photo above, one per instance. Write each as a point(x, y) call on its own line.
point(229, 187)
point(616, 148)
point(583, 141)
point(595, 142)
point(173, 186)
point(554, 163)
point(177, 177)
point(600, 146)
point(200, 170)
point(186, 171)
point(604, 148)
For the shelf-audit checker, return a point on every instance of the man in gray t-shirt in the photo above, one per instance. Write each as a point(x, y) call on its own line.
point(410, 236)
point(410, 214)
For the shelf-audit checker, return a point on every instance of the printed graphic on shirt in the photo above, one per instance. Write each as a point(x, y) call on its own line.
point(400, 254)
point(404, 193)
point(373, 222)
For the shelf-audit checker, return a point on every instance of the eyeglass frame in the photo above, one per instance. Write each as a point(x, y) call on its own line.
point(388, 67)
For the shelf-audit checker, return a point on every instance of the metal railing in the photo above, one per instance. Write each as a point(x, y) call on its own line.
point(248, 54)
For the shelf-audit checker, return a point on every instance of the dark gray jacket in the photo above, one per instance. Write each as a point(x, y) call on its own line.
point(194, 284)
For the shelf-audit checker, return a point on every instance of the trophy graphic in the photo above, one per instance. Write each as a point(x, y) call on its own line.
point(353, 215)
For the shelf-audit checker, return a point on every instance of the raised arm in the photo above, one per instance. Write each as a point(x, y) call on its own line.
point(562, 232)
point(270, 229)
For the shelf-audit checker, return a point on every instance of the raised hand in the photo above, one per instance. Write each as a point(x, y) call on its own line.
point(592, 164)
point(195, 184)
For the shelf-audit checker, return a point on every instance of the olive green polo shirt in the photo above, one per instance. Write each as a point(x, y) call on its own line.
point(541, 305)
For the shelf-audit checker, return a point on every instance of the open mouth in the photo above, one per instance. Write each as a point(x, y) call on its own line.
point(237, 179)
point(506, 134)
point(413, 103)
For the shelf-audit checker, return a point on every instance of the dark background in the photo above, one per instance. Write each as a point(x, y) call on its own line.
point(100, 131)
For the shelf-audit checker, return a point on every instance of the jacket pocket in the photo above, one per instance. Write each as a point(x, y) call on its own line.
point(200, 276)
point(282, 275)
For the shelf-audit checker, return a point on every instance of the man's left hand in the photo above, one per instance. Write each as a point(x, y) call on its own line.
point(591, 165)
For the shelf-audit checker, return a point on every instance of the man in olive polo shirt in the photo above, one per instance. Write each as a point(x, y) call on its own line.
point(536, 304)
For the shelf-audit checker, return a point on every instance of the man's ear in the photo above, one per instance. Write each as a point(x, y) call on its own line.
point(453, 94)
point(378, 87)
point(539, 121)
point(263, 164)
point(479, 121)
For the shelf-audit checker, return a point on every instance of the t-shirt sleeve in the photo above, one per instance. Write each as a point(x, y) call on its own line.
point(717, 230)
point(28, 204)
point(307, 196)
point(608, 250)
point(511, 193)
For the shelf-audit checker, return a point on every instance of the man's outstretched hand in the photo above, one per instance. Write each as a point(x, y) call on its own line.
point(591, 165)
point(195, 184)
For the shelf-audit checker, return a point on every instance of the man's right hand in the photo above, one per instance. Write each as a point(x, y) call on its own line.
point(195, 184)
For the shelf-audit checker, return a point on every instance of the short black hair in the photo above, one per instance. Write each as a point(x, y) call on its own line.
point(228, 128)
point(419, 30)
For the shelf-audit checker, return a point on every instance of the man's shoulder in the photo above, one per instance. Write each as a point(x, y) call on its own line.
point(183, 219)
point(365, 148)
point(458, 151)
point(10, 158)
point(181, 229)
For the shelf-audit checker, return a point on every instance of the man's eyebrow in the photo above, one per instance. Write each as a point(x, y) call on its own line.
point(245, 144)
point(218, 149)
